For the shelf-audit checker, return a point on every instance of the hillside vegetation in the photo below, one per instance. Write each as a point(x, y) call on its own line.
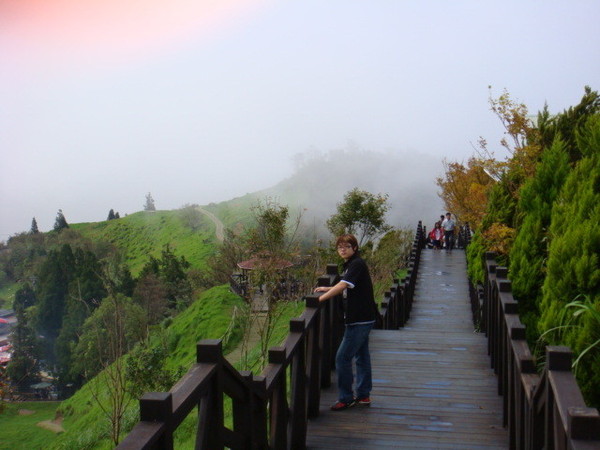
point(209, 317)
point(186, 231)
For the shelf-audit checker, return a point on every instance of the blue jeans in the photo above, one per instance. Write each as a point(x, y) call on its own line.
point(355, 344)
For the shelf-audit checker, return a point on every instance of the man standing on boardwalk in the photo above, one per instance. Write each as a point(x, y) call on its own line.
point(448, 225)
point(359, 317)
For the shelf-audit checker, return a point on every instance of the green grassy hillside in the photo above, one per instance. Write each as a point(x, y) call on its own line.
point(209, 317)
point(236, 211)
point(146, 233)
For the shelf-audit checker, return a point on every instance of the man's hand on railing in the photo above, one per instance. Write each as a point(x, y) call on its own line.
point(331, 291)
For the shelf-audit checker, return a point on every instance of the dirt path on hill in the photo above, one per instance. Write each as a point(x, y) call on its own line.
point(220, 228)
point(52, 425)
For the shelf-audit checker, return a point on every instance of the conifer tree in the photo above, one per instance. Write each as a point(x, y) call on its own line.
point(34, 227)
point(529, 252)
point(60, 223)
point(24, 298)
point(52, 290)
point(149, 205)
point(24, 365)
point(111, 215)
point(171, 271)
point(573, 272)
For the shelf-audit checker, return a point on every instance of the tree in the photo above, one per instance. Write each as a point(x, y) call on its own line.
point(191, 217)
point(111, 215)
point(270, 245)
point(24, 365)
point(573, 265)
point(271, 234)
point(465, 189)
point(151, 294)
point(60, 223)
point(34, 227)
point(149, 205)
point(52, 290)
point(108, 334)
point(224, 261)
point(171, 271)
point(569, 123)
point(529, 251)
point(361, 213)
point(24, 298)
point(86, 291)
point(145, 369)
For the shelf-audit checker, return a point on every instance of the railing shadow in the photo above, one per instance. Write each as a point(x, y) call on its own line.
point(267, 413)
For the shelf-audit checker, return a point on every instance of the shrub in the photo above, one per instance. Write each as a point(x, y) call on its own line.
point(574, 256)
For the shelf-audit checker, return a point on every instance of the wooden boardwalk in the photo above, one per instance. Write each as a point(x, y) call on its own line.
point(432, 383)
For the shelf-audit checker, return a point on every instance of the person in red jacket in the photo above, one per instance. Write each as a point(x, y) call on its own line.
point(436, 236)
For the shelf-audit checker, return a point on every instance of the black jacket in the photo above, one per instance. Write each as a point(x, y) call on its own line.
point(359, 302)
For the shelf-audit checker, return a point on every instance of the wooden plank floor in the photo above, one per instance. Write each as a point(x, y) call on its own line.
point(432, 385)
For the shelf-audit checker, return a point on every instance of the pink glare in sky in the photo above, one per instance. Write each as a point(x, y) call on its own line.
point(37, 33)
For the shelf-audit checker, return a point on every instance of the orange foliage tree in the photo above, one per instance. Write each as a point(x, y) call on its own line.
point(464, 189)
point(521, 140)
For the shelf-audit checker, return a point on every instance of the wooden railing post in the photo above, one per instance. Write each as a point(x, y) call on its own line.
point(210, 409)
point(279, 407)
point(158, 407)
point(260, 436)
point(395, 296)
point(313, 343)
point(298, 378)
point(326, 336)
point(243, 412)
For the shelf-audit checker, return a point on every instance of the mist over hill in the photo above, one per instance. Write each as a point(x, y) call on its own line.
point(321, 180)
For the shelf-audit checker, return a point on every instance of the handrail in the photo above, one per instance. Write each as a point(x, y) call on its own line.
point(266, 414)
point(540, 411)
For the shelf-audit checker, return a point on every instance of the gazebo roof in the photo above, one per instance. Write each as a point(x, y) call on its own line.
point(265, 263)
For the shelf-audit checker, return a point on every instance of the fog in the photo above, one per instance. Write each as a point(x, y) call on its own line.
point(322, 179)
point(196, 102)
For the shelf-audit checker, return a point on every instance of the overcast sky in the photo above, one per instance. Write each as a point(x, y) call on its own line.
point(198, 101)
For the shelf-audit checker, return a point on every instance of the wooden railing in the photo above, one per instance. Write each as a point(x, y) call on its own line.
point(544, 411)
point(266, 412)
point(397, 302)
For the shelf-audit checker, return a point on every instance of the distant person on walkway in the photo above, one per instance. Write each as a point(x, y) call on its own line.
point(437, 236)
point(359, 317)
point(448, 225)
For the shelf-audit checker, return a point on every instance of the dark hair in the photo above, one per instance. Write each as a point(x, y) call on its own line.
point(347, 239)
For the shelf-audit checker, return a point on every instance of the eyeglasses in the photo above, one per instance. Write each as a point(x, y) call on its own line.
point(346, 247)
